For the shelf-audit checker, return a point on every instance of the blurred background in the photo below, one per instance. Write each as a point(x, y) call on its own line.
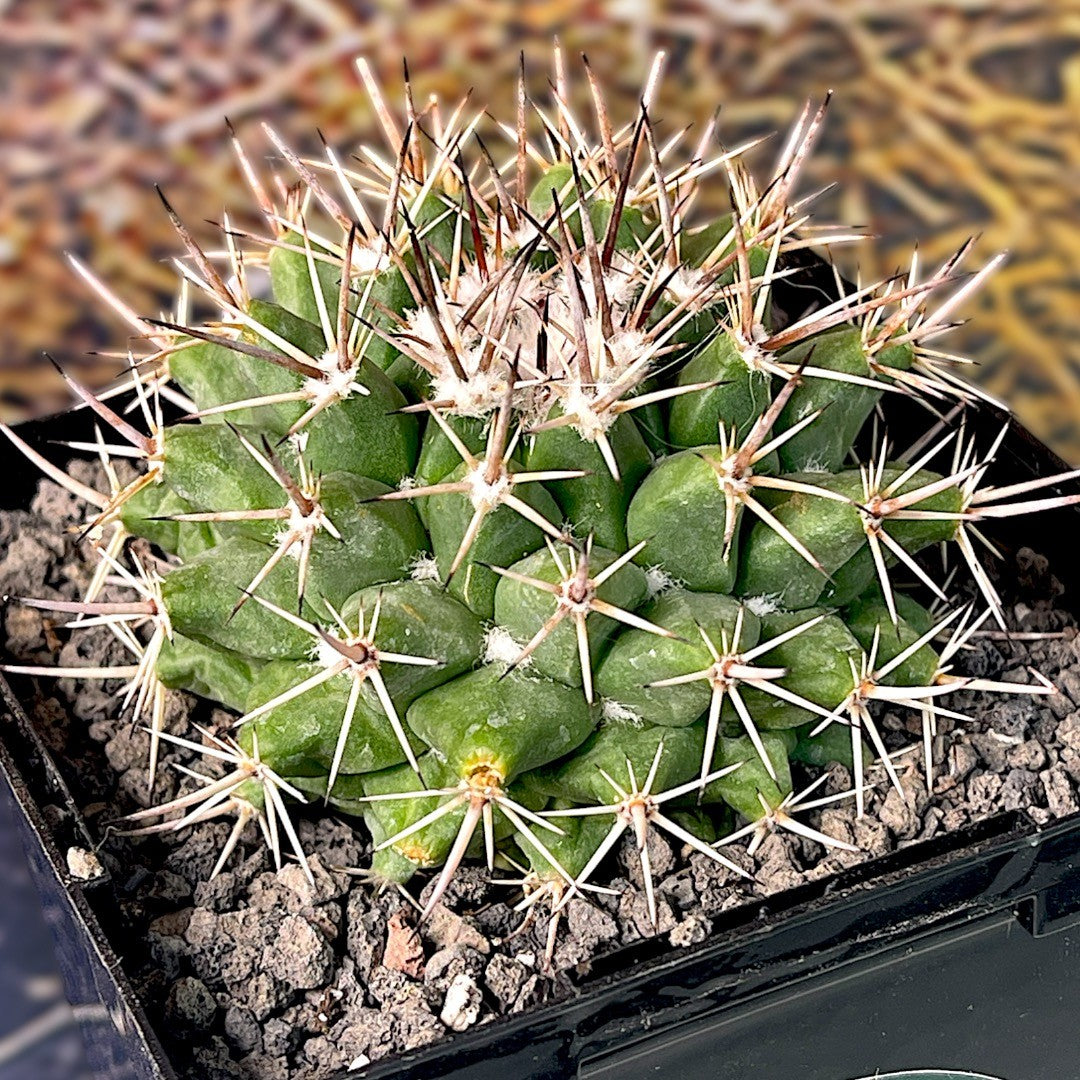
point(949, 118)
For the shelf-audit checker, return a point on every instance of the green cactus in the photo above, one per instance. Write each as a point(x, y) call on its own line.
point(519, 516)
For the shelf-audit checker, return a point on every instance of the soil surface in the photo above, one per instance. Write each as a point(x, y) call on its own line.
point(259, 975)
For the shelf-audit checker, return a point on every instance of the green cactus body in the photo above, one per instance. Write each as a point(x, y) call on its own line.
point(580, 779)
point(831, 745)
point(208, 466)
point(363, 433)
point(846, 406)
point(291, 277)
point(560, 180)
point(506, 721)
point(379, 541)
point(680, 501)
point(851, 580)
point(825, 446)
point(395, 863)
point(573, 848)
point(697, 245)
point(745, 787)
point(215, 375)
point(834, 533)
point(651, 420)
point(637, 658)
point(148, 512)
point(438, 455)
point(366, 434)
point(418, 618)
point(740, 394)
point(424, 848)
point(523, 609)
point(706, 823)
point(818, 663)
point(594, 504)
point(870, 619)
point(218, 674)
point(483, 513)
point(504, 537)
point(633, 226)
point(675, 754)
point(201, 594)
point(299, 737)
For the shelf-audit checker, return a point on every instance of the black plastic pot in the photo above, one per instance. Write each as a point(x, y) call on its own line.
point(959, 953)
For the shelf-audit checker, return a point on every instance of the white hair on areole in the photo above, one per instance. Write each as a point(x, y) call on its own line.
point(658, 580)
point(501, 648)
point(615, 710)
point(763, 605)
point(424, 568)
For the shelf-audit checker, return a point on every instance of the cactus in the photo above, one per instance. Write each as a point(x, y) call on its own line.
point(511, 514)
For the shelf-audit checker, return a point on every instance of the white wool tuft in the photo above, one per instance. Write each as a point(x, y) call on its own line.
point(369, 257)
point(579, 401)
point(424, 568)
point(763, 605)
point(293, 550)
point(685, 288)
point(658, 580)
point(501, 648)
point(476, 395)
point(615, 710)
point(325, 655)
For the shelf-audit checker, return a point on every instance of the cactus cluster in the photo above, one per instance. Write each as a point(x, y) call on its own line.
point(508, 512)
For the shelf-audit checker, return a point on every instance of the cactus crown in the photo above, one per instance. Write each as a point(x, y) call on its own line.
point(509, 512)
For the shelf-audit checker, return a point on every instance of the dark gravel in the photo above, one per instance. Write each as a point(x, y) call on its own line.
point(259, 975)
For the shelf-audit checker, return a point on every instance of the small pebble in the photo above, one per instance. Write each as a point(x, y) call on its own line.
point(404, 950)
point(299, 956)
point(190, 1005)
point(83, 865)
point(1060, 794)
point(461, 1008)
